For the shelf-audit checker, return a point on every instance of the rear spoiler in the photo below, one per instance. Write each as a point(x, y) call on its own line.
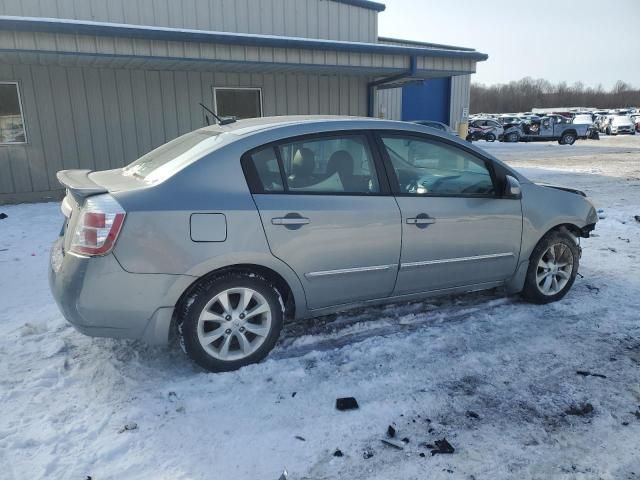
point(79, 183)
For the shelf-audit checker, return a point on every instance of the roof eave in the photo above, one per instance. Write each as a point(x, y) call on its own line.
point(85, 27)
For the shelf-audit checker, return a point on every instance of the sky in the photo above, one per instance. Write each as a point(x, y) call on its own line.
point(594, 42)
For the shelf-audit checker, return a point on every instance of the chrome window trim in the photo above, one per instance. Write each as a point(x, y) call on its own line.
point(456, 260)
point(343, 271)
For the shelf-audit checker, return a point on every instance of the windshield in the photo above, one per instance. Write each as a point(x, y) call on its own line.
point(165, 160)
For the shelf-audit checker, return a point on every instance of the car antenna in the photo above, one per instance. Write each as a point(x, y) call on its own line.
point(221, 120)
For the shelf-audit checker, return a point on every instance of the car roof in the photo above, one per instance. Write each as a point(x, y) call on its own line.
point(254, 125)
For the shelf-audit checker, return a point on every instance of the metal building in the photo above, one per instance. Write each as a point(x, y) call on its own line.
point(96, 84)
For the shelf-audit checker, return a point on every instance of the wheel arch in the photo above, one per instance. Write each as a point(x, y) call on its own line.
point(516, 283)
point(291, 301)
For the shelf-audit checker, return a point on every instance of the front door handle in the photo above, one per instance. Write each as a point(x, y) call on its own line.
point(290, 221)
point(421, 220)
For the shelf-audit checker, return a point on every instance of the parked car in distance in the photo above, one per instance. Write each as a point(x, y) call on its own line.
point(583, 119)
point(619, 124)
point(485, 129)
point(437, 125)
point(223, 233)
point(635, 118)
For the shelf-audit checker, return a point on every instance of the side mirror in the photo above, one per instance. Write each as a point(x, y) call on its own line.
point(512, 188)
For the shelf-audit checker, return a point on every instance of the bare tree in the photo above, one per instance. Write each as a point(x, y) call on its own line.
point(527, 93)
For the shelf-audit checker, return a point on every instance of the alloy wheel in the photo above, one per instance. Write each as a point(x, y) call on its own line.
point(554, 269)
point(234, 324)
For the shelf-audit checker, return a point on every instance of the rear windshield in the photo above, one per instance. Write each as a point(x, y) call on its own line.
point(170, 157)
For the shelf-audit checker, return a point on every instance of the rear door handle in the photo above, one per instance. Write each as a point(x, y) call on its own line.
point(421, 221)
point(290, 221)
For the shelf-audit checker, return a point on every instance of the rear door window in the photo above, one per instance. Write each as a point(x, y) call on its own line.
point(341, 164)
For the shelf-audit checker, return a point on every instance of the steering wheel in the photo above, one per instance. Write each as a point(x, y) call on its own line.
point(440, 181)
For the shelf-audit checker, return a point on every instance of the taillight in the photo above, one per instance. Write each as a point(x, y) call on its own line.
point(97, 229)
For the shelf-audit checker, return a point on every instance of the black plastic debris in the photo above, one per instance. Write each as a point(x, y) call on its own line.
point(3, 216)
point(367, 454)
point(422, 454)
point(637, 218)
point(472, 414)
point(442, 446)
point(346, 403)
point(392, 443)
point(302, 439)
point(284, 475)
point(592, 288)
point(338, 453)
point(128, 427)
point(586, 373)
point(293, 394)
point(580, 410)
point(391, 432)
point(405, 440)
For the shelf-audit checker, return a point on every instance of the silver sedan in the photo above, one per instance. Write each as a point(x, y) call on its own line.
point(222, 234)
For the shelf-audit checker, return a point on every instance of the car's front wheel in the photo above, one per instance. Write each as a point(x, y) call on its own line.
point(553, 267)
point(230, 321)
point(513, 137)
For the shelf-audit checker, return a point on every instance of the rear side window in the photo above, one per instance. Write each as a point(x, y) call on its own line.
point(329, 165)
point(265, 163)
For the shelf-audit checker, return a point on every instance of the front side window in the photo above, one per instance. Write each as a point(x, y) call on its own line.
point(425, 167)
point(238, 102)
point(11, 119)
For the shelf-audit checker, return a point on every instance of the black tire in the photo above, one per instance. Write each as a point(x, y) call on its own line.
point(512, 137)
point(567, 139)
point(531, 292)
point(200, 297)
point(490, 137)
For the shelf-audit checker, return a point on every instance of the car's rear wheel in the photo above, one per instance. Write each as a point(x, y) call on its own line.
point(553, 267)
point(230, 321)
point(512, 137)
point(490, 137)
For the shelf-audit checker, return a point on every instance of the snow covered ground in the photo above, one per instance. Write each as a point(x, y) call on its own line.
point(493, 375)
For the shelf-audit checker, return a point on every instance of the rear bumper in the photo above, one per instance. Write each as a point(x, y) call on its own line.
point(101, 299)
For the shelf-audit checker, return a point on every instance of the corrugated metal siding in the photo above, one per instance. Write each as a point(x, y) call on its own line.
point(460, 98)
point(298, 18)
point(80, 117)
point(388, 104)
point(141, 53)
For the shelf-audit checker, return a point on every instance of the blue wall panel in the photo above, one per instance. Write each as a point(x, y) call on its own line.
point(427, 101)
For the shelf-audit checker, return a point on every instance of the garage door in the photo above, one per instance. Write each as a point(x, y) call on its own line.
point(427, 101)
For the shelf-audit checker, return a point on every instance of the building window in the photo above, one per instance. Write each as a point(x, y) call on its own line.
point(238, 102)
point(11, 119)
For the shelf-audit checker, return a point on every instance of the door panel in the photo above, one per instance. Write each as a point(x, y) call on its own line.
point(455, 230)
point(343, 248)
point(327, 215)
point(467, 241)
